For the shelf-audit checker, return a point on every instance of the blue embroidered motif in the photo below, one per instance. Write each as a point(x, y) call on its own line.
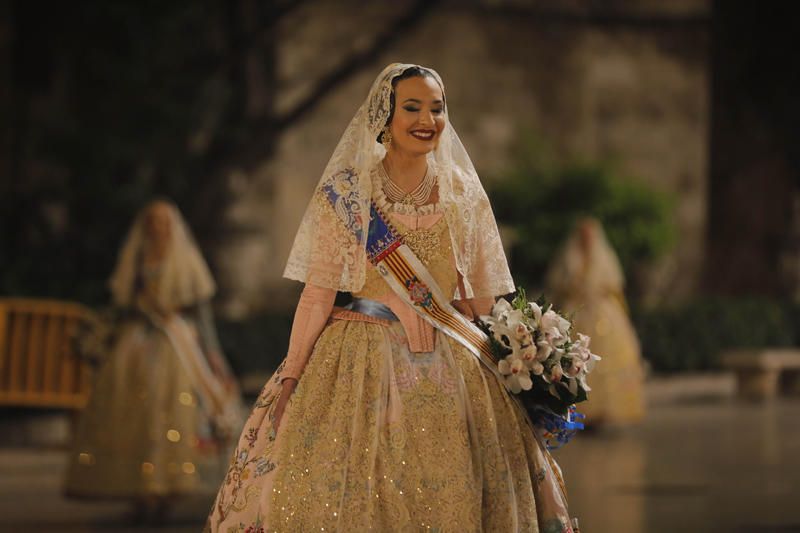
point(380, 238)
point(342, 192)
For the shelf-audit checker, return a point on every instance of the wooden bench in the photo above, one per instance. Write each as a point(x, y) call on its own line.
point(763, 373)
point(38, 363)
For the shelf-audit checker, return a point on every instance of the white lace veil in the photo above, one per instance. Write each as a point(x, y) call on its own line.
point(183, 276)
point(574, 272)
point(327, 254)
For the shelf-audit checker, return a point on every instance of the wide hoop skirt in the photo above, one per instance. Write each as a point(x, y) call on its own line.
point(377, 438)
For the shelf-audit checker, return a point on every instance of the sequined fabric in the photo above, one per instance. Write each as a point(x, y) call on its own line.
point(379, 438)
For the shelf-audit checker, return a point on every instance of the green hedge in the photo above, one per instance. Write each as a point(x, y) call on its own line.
point(691, 337)
point(541, 200)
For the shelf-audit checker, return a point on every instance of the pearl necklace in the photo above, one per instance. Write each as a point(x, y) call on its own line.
point(416, 197)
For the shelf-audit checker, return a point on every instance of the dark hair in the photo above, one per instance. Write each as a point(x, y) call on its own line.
point(410, 72)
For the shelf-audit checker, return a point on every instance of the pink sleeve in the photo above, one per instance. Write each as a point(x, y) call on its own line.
point(313, 310)
point(481, 305)
point(473, 307)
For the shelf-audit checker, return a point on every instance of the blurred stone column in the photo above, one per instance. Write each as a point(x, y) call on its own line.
point(790, 260)
point(754, 156)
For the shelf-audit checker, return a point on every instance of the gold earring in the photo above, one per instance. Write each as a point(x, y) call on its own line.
point(386, 137)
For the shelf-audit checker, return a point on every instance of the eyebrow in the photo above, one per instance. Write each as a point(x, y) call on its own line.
point(417, 101)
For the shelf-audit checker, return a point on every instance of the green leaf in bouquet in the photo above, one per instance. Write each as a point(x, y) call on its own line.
point(520, 300)
point(581, 396)
point(499, 349)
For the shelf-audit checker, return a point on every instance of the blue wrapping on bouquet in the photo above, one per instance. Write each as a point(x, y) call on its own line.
point(556, 430)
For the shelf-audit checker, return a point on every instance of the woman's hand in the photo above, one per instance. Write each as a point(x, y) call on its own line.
point(287, 389)
point(462, 306)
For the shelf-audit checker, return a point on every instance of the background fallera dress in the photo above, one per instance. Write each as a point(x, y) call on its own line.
point(588, 281)
point(145, 430)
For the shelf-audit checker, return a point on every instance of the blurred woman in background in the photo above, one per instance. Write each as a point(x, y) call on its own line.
point(164, 402)
point(586, 279)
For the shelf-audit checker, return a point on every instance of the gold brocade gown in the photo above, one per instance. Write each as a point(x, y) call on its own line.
point(378, 438)
point(144, 431)
point(617, 395)
point(586, 280)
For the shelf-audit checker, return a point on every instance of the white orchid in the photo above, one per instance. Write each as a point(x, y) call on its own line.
point(554, 373)
point(528, 354)
point(516, 375)
point(580, 351)
point(508, 326)
point(544, 350)
point(555, 327)
point(502, 333)
point(523, 334)
point(501, 306)
point(537, 313)
point(574, 369)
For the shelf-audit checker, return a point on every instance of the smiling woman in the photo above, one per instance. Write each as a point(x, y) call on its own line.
point(381, 417)
point(412, 130)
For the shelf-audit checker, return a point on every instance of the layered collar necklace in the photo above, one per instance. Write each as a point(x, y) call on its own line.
point(417, 197)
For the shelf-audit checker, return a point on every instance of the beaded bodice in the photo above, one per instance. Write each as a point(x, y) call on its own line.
point(424, 229)
point(432, 246)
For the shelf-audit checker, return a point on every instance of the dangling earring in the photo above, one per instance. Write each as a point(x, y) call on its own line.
point(386, 137)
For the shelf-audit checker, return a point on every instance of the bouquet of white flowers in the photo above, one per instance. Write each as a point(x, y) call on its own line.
point(540, 361)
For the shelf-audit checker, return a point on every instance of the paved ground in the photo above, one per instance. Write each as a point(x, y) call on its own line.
point(727, 467)
point(30, 501)
point(699, 464)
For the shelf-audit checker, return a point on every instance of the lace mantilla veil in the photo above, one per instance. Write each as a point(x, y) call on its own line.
point(573, 273)
point(328, 254)
point(183, 278)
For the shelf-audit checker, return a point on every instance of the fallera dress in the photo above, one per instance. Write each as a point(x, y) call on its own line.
point(163, 409)
point(617, 395)
point(144, 430)
point(377, 437)
point(588, 281)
